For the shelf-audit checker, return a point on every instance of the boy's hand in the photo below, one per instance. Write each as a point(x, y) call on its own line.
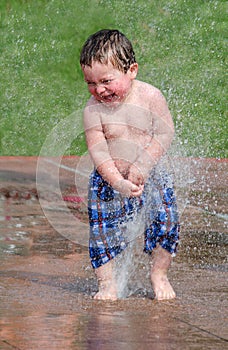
point(135, 175)
point(128, 189)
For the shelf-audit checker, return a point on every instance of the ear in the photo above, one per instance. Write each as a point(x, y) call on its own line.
point(133, 70)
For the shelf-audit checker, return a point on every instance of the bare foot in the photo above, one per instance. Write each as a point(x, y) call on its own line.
point(106, 283)
point(162, 288)
point(106, 291)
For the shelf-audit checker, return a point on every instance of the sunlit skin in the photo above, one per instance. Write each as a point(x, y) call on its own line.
point(126, 173)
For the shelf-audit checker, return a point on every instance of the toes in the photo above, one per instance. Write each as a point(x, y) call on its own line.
point(104, 296)
point(163, 295)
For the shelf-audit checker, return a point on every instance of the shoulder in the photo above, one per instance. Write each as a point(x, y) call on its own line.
point(147, 89)
point(148, 95)
point(91, 115)
point(152, 98)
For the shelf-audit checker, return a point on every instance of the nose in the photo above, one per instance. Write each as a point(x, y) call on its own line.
point(100, 89)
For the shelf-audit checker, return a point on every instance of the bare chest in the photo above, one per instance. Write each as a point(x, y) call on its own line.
point(128, 122)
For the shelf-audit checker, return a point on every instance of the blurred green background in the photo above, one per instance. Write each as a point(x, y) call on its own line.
point(180, 47)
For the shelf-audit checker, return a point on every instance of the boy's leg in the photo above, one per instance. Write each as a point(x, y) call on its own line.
point(161, 263)
point(105, 209)
point(106, 282)
point(162, 231)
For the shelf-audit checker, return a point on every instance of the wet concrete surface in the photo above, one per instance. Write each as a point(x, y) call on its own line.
point(47, 283)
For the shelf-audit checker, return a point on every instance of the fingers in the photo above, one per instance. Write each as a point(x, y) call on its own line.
point(137, 190)
point(135, 176)
point(128, 189)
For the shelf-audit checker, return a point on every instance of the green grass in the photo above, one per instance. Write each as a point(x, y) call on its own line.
point(180, 46)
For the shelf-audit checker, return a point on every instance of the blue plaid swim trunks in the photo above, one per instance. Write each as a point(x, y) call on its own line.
point(109, 212)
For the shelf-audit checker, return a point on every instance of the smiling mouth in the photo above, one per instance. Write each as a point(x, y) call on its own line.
point(109, 97)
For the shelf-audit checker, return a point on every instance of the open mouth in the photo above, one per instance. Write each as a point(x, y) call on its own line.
point(109, 98)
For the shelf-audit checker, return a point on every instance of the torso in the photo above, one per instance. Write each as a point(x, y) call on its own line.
point(128, 127)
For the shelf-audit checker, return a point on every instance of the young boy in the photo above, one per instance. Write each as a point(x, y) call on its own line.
point(128, 129)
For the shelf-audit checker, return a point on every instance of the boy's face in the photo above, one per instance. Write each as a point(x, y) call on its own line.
point(108, 84)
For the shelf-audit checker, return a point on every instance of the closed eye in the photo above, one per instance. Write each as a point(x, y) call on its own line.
point(106, 81)
point(103, 82)
point(90, 83)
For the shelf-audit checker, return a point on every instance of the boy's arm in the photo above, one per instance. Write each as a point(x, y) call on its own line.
point(98, 149)
point(163, 132)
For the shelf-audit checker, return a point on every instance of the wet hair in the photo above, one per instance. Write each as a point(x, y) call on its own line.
point(108, 45)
